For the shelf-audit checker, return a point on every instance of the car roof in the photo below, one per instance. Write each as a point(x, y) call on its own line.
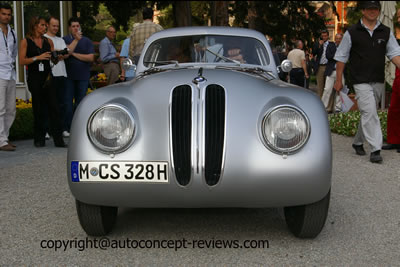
point(200, 30)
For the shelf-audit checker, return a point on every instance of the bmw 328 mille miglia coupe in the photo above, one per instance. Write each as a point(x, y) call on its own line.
point(205, 123)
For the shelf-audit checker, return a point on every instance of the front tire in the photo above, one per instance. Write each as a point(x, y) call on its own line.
point(96, 220)
point(307, 221)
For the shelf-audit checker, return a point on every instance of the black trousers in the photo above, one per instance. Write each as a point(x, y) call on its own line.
point(297, 77)
point(44, 96)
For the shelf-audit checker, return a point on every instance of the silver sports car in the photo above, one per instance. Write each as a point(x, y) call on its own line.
point(205, 123)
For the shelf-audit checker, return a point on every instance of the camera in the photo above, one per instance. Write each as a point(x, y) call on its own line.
point(55, 54)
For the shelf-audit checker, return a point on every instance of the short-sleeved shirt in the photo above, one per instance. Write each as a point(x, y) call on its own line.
point(139, 35)
point(78, 69)
point(58, 70)
point(296, 56)
point(125, 53)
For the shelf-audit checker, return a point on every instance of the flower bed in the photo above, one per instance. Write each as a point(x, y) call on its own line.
point(99, 80)
point(347, 123)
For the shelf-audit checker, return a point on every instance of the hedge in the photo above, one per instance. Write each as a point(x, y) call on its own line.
point(22, 127)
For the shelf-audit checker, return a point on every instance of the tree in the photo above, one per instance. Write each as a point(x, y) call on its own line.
point(121, 11)
point(182, 13)
point(87, 11)
point(219, 13)
point(40, 8)
point(293, 19)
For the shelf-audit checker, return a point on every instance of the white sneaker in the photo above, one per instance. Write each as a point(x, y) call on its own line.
point(47, 136)
point(65, 134)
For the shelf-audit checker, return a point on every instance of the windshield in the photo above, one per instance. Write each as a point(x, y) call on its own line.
point(206, 49)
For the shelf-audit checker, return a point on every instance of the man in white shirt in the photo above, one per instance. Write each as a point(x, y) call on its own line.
point(298, 74)
point(58, 70)
point(363, 50)
point(8, 53)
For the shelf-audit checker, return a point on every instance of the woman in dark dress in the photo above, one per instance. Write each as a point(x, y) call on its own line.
point(35, 52)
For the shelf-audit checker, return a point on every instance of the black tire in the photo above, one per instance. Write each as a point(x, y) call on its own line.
point(307, 221)
point(96, 220)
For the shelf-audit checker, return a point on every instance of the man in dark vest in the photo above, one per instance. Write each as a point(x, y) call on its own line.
point(364, 46)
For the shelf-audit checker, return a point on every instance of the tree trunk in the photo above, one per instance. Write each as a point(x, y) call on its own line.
point(182, 13)
point(219, 13)
point(252, 14)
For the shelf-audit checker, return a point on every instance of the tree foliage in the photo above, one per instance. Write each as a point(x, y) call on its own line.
point(87, 12)
point(280, 19)
point(123, 10)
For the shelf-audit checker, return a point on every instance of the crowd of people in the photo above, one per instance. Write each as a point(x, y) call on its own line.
point(363, 48)
point(59, 72)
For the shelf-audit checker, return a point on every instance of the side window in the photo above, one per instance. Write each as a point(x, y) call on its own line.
point(152, 55)
point(261, 55)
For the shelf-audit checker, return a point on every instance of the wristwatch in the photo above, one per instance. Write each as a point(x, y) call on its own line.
point(34, 59)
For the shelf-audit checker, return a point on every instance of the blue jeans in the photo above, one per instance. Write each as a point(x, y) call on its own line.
point(74, 89)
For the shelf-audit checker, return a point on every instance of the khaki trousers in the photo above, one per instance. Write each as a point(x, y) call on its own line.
point(320, 80)
point(330, 97)
point(112, 71)
point(7, 109)
point(368, 96)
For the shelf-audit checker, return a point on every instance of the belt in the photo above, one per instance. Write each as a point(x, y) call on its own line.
point(111, 62)
point(322, 64)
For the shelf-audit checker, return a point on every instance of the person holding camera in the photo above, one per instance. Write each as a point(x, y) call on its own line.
point(58, 70)
point(35, 52)
point(78, 68)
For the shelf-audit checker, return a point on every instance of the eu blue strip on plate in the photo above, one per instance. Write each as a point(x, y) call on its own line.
point(75, 171)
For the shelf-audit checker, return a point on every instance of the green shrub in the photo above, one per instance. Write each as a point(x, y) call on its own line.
point(22, 127)
point(347, 123)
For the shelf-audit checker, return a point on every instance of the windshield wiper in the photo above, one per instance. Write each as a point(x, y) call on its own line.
point(259, 71)
point(222, 57)
point(256, 70)
point(163, 62)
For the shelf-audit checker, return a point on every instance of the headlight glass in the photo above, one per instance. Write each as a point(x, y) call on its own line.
point(285, 129)
point(111, 128)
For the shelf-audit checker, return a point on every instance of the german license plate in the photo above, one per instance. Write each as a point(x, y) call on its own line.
point(121, 171)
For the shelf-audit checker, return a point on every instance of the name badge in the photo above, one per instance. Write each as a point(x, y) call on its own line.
point(41, 66)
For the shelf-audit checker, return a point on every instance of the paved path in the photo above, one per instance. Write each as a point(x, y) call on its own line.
point(362, 226)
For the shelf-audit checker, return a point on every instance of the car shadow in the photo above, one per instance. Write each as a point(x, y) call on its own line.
point(200, 222)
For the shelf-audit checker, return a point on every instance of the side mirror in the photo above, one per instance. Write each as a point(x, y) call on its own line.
point(127, 64)
point(286, 65)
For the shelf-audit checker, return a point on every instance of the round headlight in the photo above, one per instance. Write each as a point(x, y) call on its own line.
point(111, 128)
point(285, 129)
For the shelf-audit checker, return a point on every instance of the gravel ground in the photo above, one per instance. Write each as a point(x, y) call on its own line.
point(37, 208)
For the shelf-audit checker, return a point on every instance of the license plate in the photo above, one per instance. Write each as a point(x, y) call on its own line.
point(121, 171)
